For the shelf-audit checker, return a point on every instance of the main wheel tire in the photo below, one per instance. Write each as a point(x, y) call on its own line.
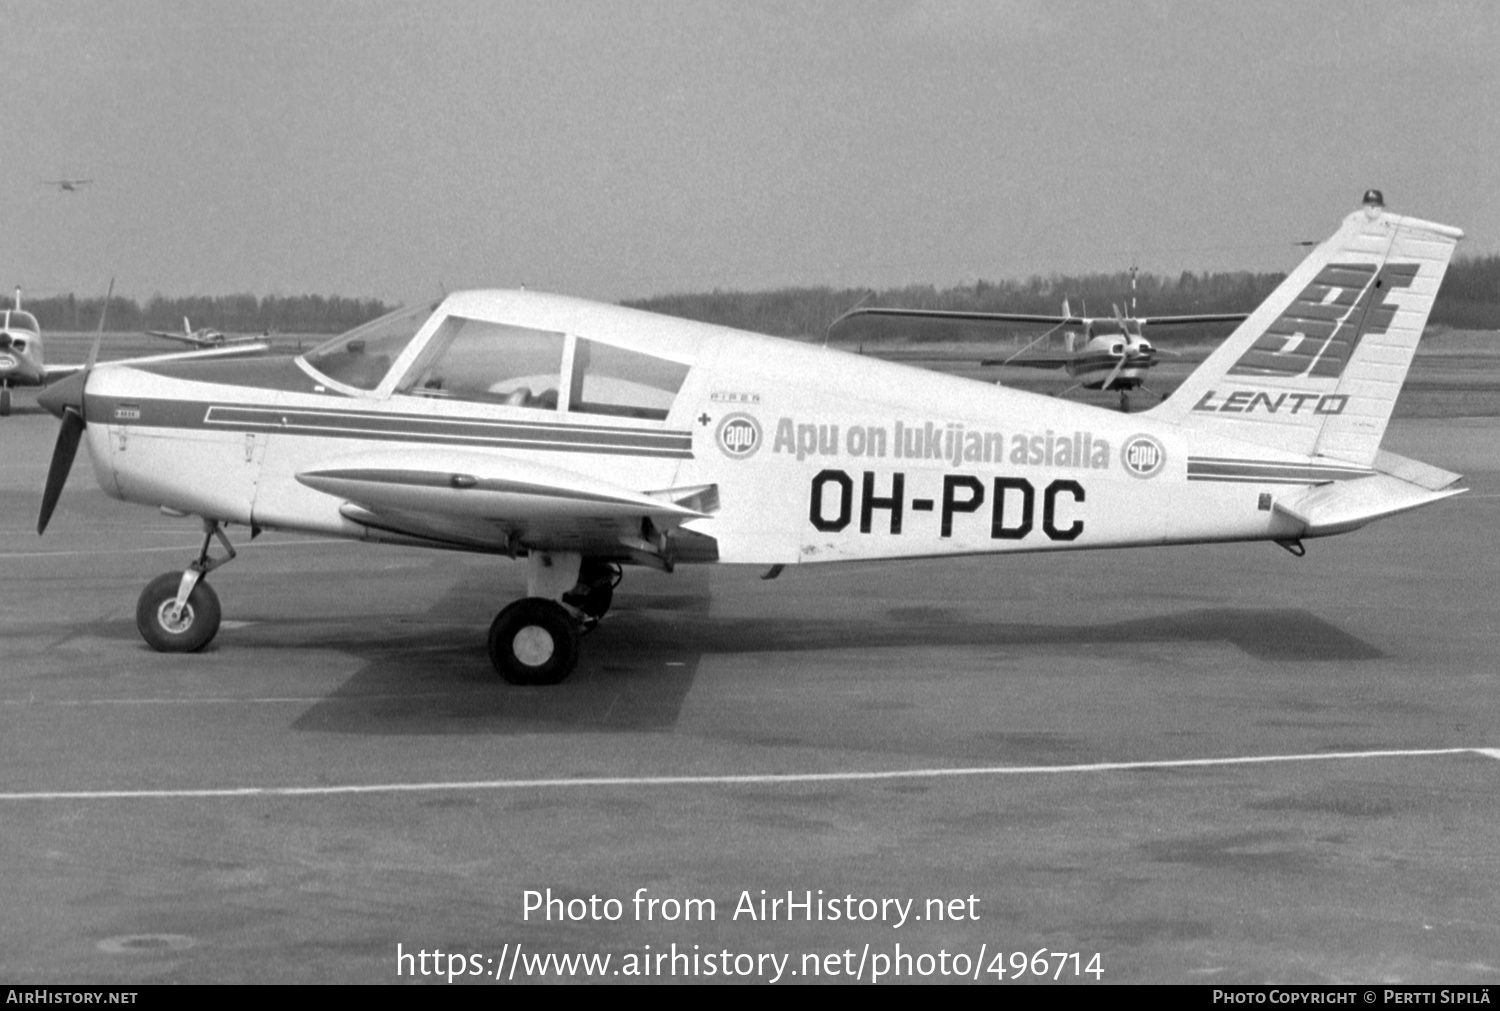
point(534, 642)
point(194, 629)
point(4, 401)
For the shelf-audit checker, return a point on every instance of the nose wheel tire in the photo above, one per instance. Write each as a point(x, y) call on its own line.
point(534, 642)
point(192, 629)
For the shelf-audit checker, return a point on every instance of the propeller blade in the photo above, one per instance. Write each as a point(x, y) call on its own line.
point(65, 400)
point(1116, 373)
point(62, 462)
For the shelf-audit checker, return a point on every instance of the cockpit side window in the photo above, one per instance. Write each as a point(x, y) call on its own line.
point(611, 380)
point(362, 357)
point(470, 359)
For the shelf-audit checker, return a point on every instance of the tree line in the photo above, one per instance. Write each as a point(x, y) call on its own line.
point(230, 313)
point(1469, 299)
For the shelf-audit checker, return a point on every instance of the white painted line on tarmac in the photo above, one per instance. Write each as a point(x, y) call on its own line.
point(272, 700)
point(191, 547)
point(725, 780)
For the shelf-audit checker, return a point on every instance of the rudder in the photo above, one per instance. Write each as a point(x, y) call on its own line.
point(1316, 369)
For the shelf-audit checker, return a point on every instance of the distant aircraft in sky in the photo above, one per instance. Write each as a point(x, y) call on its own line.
point(67, 185)
point(203, 337)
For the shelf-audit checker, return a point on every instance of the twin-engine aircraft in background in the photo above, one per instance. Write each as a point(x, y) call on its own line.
point(1101, 353)
point(583, 437)
point(203, 337)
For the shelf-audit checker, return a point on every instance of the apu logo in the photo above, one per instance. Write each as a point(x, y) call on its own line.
point(1143, 456)
point(738, 436)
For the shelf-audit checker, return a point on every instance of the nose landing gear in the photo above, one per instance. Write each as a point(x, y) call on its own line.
point(178, 612)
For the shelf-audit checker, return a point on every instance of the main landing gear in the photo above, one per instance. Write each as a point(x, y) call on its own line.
point(178, 612)
point(534, 641)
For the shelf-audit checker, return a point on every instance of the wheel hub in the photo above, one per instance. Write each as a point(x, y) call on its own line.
point(533, 645)
point(178, 625)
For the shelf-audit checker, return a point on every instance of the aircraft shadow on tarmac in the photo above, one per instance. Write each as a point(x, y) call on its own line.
point(642, 662)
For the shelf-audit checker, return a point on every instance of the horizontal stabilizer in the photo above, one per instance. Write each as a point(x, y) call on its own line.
point(464, 484)
point(1342, 506)
point(1418, 473)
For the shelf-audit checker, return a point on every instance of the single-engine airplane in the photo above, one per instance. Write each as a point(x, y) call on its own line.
point(1101, 353)
point(21, 352)
point(21, 358)
point(203, 337)
point(67, 185)
point(583, 437)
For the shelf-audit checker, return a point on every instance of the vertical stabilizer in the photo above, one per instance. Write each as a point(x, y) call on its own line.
point(1317, 368)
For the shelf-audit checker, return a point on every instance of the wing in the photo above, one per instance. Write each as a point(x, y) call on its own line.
point(180, 338)
point(52, 373)
point(499, 502)
point(965, 317)
point(1037, 362)
point(1223, 317)
point(56, 372)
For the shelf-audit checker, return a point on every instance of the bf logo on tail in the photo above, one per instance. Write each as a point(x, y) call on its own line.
point(1318, 332)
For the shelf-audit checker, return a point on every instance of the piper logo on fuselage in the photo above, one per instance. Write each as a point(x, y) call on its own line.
point(738, 435)
point(1143, 456)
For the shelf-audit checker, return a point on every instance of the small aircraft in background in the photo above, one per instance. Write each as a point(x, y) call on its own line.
point(1100, 352)
point(21, 354)
point(67, 185)
point(22, 364)
point(203, 337)
point(584, 437)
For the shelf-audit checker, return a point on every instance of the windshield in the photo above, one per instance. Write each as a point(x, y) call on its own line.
point(362, 357)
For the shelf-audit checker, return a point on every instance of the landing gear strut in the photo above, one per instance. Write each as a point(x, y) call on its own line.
point(534, 641)
point(178, 612)
point(5, 401)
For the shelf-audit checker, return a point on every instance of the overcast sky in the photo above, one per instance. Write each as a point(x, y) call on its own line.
point(622, 149)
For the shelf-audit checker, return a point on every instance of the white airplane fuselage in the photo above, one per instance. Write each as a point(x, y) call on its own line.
point(817, 456)
point(583, 437)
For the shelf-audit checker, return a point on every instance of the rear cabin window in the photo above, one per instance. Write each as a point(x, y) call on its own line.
point(612, 380)
point(470, 359)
